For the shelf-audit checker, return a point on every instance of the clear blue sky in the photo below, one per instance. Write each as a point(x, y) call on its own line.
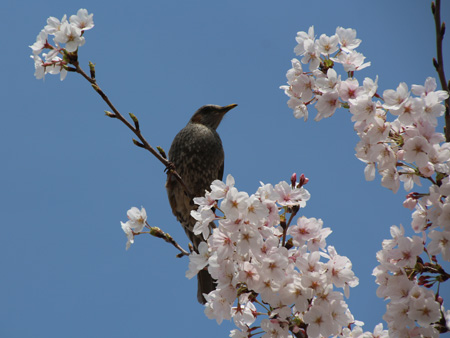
point(69, 174)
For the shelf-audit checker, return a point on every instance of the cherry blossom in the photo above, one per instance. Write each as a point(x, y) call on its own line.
point(129, 233)
point(70, 35)
point(67, 33)
point(82, 20)
point(137, 218)
point(347, 38)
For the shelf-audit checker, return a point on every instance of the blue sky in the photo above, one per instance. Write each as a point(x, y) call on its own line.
point(69, 174)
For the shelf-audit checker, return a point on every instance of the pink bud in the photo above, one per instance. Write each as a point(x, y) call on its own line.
point(293, 179)
point(423, 280)
point(414, 195)
point(303, 180)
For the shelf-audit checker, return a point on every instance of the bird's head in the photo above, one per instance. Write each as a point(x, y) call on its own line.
point(211, 115)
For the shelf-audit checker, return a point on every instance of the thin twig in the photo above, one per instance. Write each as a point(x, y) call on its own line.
point(294, 211)
point(439, 63)
point(157, 232)
point(171, 170)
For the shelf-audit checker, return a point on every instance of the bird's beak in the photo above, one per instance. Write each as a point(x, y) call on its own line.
point(226, 109)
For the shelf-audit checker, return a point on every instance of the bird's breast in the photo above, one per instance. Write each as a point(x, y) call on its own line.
point(198, 156)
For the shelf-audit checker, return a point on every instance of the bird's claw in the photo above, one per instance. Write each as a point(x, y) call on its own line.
point(169, 168)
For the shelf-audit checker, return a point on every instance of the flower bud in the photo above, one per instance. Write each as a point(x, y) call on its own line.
point(289, 244)
point(423, 280)
point(303, 180)
point(293, 180)
point(157, 232)
point(283, 222)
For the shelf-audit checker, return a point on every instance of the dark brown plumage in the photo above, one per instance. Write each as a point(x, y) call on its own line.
point(198, 156)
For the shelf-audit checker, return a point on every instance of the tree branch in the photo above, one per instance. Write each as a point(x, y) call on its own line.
point(439, 63)
point(157, 232)
point(171, 170)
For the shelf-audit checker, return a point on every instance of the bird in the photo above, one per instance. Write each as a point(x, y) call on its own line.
point(198, 157)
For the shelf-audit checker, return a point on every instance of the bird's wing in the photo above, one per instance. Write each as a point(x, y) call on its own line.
point(220, 175)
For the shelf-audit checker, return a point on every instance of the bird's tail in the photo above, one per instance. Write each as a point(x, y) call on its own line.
point(206, 284)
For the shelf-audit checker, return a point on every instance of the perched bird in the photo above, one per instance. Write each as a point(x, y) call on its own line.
point(198, 156)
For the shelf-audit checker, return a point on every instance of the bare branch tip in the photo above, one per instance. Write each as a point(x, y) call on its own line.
point(135, 120)
point(435, 64)
point(133, 117)
point(92, 69)
point(109, 114)
point(162, 152)
point(139, 144)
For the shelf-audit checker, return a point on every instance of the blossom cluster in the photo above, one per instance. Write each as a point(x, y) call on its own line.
point(410, 302)
point(321, 84)
point(398, 139)
point(267, 267)
point(67, 32)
